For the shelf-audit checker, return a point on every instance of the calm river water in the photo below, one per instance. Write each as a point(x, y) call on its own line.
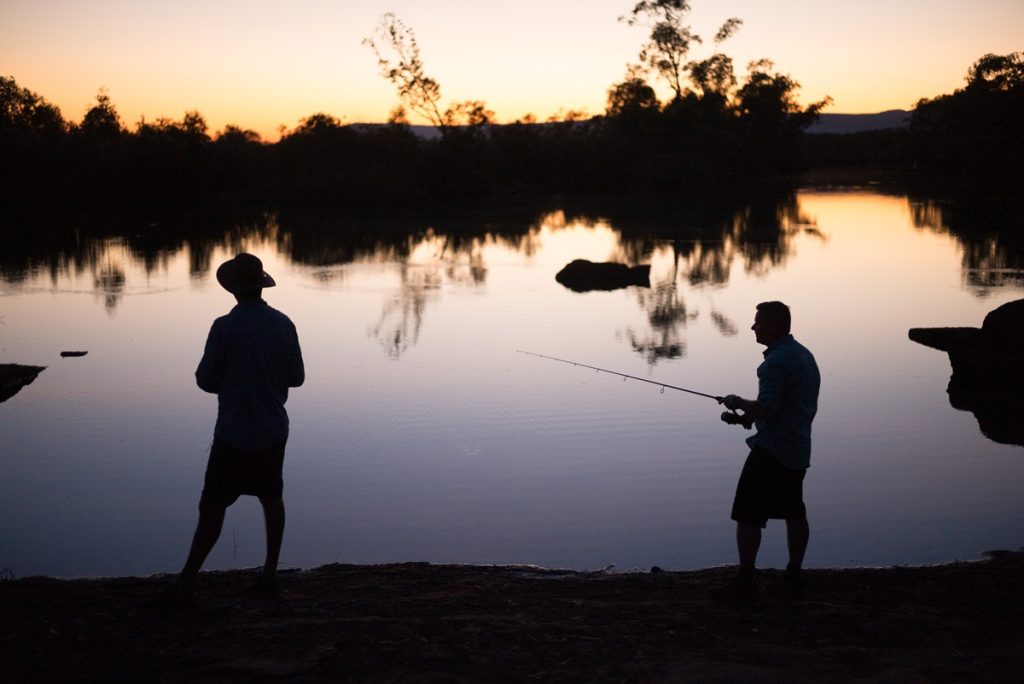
point(422, 435)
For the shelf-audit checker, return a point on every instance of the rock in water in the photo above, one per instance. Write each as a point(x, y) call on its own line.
point(988, 369)
point(581, 275)
point(14, 376)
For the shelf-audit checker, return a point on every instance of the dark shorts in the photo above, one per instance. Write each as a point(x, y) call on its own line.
point(768, 490)
point(231, 472)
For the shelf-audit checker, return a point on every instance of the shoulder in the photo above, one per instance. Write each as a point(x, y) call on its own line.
point(276, 314)
point(220, 322)
point(802, 351)
point(787, 354)
point(277, 319)
point(799, 360)
point(789, 347)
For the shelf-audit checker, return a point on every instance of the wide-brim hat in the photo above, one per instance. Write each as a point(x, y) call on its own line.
point(244, 273)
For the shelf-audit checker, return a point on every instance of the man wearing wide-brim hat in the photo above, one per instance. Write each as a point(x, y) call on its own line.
point(252, 358)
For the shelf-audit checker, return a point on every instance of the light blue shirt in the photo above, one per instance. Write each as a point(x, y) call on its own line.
point(787, 382)
point(252, 357)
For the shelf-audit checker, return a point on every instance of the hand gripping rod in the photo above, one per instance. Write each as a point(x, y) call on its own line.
point(623, 375)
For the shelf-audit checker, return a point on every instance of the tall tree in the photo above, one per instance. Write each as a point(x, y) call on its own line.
point(714, 75)
point(398, 55)
point(668, 46)
point(768, 99)
point(670, 39)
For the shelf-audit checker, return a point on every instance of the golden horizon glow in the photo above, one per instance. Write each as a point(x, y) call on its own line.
point(264, 66)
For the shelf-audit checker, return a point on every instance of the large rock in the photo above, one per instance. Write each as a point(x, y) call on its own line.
point(581, 275)
point(988, 370)
point(14, 376)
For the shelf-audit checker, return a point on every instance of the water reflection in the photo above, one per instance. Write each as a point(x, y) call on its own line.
point(110, 283)
point(991, 233)
point(463, 451)
point(667, 315)
point(699, 243)
point(421, 281)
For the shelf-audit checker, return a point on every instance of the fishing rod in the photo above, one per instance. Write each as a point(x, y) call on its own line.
point(730, 417)
point(623, 375)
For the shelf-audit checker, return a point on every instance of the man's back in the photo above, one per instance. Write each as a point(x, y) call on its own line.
point(252, 357)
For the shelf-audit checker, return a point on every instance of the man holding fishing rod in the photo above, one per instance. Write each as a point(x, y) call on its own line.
point(771, 483)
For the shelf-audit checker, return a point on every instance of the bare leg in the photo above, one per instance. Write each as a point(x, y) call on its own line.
point(748, 541)
point(798, 533)
point(211, 519)
point(742, 587)
point(273, 517)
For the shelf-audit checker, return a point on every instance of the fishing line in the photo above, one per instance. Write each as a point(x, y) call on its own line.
point(624, 376)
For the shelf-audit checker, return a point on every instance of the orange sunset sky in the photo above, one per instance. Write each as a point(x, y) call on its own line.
point(263, 65)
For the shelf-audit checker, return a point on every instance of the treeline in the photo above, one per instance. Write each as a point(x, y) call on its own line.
point(713, 132)
point(691, 142)
point(966, 142)
point(974, 138)
point(716, 132)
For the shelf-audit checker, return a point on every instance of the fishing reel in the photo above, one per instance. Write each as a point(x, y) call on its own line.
point(733, 418)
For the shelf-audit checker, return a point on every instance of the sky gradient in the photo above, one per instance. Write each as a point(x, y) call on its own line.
point(264, 65)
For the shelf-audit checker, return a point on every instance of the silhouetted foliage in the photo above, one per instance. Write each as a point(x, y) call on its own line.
point(974, 138)
point(101, 120)
point(771, 119)
point(404, 69)
point(33, 143)
point(991, 234)
point(25, 114)
point(632, 97)
point(715, 134)
point(670, 39)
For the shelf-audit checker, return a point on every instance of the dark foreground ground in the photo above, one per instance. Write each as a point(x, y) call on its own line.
point(420, 622)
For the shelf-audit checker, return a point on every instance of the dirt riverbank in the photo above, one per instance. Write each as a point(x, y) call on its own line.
point(421, 622)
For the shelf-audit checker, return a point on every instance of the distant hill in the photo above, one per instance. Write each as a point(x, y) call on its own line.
point(858, 123)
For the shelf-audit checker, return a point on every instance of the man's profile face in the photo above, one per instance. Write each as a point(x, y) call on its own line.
point(766, 330)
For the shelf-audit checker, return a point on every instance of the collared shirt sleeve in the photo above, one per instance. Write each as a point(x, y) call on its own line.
point(210, 371)
point(771, 385)
point(296, 368)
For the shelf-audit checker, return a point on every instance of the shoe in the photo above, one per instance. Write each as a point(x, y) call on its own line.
point(736, 590)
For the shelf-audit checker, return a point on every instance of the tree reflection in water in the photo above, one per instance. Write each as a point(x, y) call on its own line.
point(400, 321)
point(991, 233)
point(110, 283)
point(432, 254)
point(704, 247)
point(428, 266)
point(700, 243)
point(667, 315)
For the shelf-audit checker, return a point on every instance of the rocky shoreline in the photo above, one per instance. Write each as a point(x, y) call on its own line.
point(420, 622)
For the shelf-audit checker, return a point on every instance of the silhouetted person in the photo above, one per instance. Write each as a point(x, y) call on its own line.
point(252, 357)
point(771, 483)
